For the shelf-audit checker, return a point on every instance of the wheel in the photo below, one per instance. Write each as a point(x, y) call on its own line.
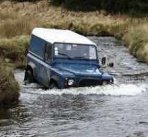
point(104, 83)
point(53, 85)
point(28, 77)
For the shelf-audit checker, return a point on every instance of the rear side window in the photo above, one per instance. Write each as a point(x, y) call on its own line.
point(37, 46)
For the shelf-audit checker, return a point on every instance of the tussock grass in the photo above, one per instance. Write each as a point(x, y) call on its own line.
point(13, 50)
point(7, 15)
point(137, 40)
point(20, 19)
point(18, 26)
point(9, 89)
point(145, 54)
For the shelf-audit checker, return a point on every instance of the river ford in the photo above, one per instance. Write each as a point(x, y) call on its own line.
point(119, 110)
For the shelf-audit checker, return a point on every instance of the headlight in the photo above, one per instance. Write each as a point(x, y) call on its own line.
point(70, 82)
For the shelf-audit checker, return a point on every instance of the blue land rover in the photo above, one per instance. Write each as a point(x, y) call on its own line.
point(62, 59)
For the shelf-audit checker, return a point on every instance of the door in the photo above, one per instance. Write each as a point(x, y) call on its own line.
point(45, 66)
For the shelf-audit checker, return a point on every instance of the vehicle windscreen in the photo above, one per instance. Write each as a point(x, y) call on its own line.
point(75, 51)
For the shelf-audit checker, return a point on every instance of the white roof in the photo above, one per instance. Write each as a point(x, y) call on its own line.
point(62, 36)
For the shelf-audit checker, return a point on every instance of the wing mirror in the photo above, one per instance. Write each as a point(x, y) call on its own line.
point(104, 62)
point(111, 64)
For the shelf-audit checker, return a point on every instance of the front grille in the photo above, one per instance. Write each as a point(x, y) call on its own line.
point(89, 82)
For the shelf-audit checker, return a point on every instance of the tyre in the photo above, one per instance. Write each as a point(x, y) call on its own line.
point(28, 77)
point(53, 85)
point(104, 83)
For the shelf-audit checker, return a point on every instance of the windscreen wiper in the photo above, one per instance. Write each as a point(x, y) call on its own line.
point(81, 58)
point(63, 54)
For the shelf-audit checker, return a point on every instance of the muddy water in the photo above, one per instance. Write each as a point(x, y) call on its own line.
point(120, 110)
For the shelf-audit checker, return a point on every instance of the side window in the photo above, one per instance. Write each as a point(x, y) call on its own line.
point(37, 46)
point(48, 52)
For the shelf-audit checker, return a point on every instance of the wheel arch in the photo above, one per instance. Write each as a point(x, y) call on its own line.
point(31, 66)
point(52, 80)
point(28, 67)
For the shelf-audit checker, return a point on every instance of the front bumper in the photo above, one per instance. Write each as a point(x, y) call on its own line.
point(88, 82)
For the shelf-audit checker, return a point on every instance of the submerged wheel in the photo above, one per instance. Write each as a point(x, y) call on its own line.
point(28, 77)
point(53, 85)
point(104, 83)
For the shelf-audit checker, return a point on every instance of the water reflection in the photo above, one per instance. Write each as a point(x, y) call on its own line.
point(16, 115)
point(65, 107)
point(47, 112)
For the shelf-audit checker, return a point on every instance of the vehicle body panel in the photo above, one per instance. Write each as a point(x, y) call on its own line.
point(64, 71)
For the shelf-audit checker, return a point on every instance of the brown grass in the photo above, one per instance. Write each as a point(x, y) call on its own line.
point(9, 89)
point(17, 20)
point(137, 39)
point(20, 18)
point(13, 50)
point(20, 26)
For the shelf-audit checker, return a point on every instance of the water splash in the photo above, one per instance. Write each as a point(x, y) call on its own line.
point(112, 90)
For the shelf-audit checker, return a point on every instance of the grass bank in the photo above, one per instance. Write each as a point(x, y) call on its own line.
point(137, 41)
point(9, 88)
point(13, 49)
point(18, 19)
point(11, 56)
